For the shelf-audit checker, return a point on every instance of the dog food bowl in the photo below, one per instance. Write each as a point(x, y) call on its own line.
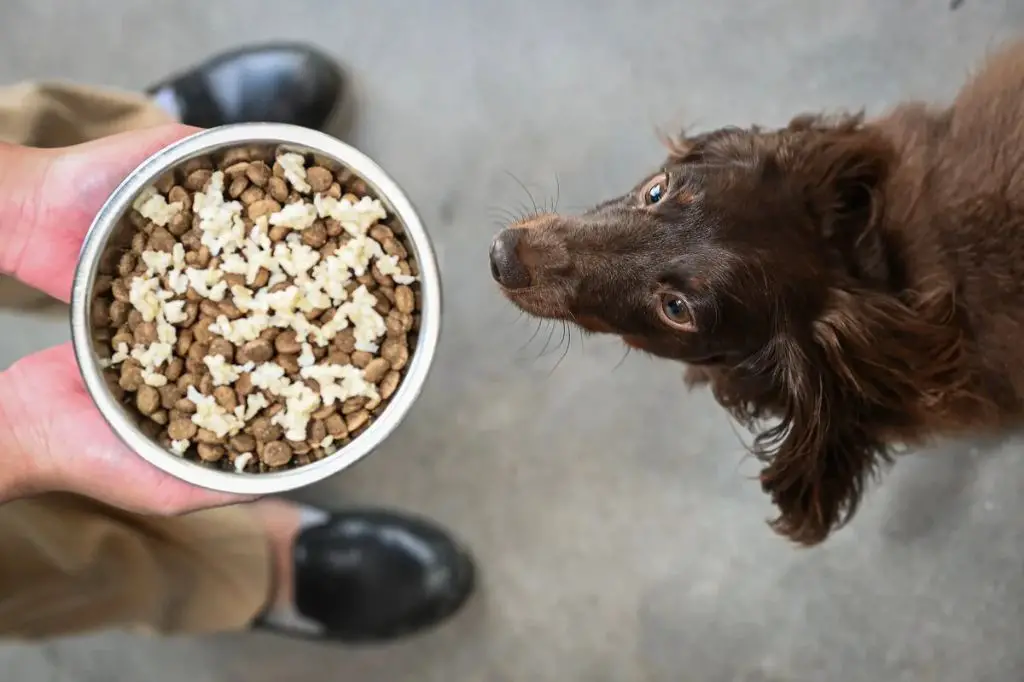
point(111, 229)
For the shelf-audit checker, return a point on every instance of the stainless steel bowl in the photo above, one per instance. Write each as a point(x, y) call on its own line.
point(110, 231)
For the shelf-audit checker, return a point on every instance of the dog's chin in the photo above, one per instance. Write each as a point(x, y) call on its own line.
point(537, 303)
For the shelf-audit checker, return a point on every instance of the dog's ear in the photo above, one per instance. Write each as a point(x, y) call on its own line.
point(870, 365)
point(819, 457)
point(840, 170)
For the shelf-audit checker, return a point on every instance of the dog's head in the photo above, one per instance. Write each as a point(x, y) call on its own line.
point(757, 257)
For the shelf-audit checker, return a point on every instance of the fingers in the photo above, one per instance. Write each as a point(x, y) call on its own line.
point(49, 197)
point(52, 437)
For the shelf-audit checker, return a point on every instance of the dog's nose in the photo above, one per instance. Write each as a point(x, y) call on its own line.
point(506, 268)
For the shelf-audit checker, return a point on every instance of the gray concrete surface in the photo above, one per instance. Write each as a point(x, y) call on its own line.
point(619, 536)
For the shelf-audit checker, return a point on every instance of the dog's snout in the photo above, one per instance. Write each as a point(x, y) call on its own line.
point(506, 267)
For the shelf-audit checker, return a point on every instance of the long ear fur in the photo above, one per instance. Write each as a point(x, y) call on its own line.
point(873, 368)
point(841, 174)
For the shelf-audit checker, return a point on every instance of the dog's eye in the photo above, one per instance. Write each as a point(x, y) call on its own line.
point(655, 189)
point(674, 310)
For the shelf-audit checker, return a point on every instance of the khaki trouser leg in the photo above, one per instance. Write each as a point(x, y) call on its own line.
point(70, 565)
point(57, 114)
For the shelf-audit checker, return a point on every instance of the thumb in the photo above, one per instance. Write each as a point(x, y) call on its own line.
point(49, 197)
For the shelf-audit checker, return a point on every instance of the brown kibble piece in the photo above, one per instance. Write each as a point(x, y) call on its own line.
point(405, 300)
point(234, 156)
point(287, 342)
point(336, 426)
point(257, 351)
point(395, 351)
point(224, 348)
point(196, 163)
point(139, 243)
point(225, 397)
point(180, 224)
point(337, 357)
point(175, 368)
point(178, 195)
point(381, 232)
point(198, 179)
point(237, 186)
point(251, 196)
point(131, 376)
point(119, 289)
point(289, 362)
point(243, 442)
point(210, 453)
point(126, 265)
point(196, 353)
point(99, 314)
point(389, 384)
point(184, 342)
point(334, 229)
point(145, 333)
point(228, 309)
point(325, 411)
point(398, 323)
point(164, 183)
point(353, 404)
point(191, 315)
point(161, 240)
point(315, 235)
point(262, 277)
point(264, 431)
point(276, 454)
point(182, 429)
point(258, 173)
point(317, 432)
point(185, 406)
point(278, 233)
point(236, 169)
point(277, 188)
point(392, 247)
point(361, 358)
point(119, 313)
point(344, 341)
point(261, 208)
point(169, 396)
point(147, 399)
point(357, 420)
point(208, 437)
point(243, 385)
point(319, 178)
point(201, 331)
point(160, 417)
point(122, 337)
point(375, 370)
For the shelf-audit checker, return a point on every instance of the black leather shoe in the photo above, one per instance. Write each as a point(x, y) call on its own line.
point(372, 575)
point(278, 83)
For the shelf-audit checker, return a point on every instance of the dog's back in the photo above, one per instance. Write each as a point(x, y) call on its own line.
point(957, 202)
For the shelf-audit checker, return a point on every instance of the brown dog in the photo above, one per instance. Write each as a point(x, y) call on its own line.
point(859, 283)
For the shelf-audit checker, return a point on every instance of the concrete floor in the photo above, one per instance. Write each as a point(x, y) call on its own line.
point(618, 534)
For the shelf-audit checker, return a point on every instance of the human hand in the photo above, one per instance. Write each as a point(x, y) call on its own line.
point(52, 437)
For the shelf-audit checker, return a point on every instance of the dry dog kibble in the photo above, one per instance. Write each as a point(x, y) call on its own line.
point(262, 315)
